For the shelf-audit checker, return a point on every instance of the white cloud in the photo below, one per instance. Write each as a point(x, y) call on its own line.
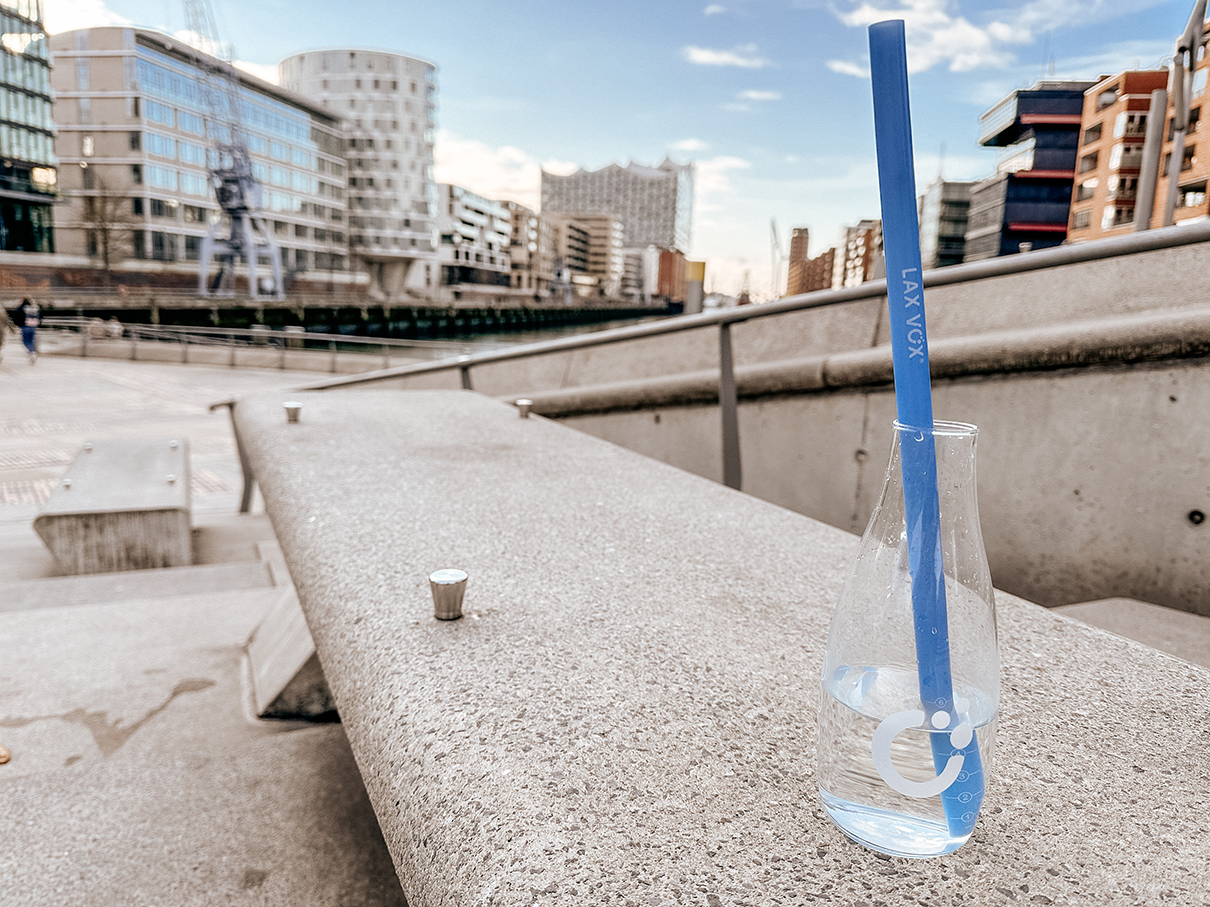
point(938, 37)
point(713, 10)
point(689, 145)
point(751, 95)
point(849, 69)
point(743, 57)
point(264, 71)
point(497, 173)
point(712, 176)
point(68, 15)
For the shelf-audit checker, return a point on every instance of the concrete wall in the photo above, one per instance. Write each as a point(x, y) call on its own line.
point(1087, 476)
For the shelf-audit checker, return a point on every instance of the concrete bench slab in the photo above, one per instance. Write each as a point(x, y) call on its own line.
point(122, 505)
point(626, 714)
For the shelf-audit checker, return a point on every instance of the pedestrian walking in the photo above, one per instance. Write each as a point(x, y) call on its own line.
point(6, 325)
point(28, 317)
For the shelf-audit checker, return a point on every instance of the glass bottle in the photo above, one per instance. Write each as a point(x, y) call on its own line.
point(900, 773)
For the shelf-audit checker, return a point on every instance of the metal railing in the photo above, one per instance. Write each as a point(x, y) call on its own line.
point(1113, 247)
point(93, 330)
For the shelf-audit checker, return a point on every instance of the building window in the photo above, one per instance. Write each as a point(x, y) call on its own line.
point(1092, 134)
point(163, 208)
point(138, 244)
point(1081, 219)
point(136, 206)
point(1107, 97)
point(163, 246)
point(1116, 217)
point(1088, 162)
point(195, 214)
point(88, 145)
point(136, 174)
point(1193, 195)
point(136, 141)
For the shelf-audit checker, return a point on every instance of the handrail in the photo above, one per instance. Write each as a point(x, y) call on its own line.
point(262, 336)
point(1041, 259)
point(1057, 256)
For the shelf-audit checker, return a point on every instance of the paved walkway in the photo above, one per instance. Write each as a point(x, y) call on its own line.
point(138, 773)
point(48, 411)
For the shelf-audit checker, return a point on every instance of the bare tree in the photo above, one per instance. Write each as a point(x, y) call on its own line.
point(107, 217)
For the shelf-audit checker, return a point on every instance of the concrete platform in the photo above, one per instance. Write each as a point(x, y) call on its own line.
point(1178, 633)
point(627, 713)
point(138, 775)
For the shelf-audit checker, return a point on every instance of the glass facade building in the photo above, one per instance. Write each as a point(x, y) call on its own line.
point(28, 177)
point(137, 139)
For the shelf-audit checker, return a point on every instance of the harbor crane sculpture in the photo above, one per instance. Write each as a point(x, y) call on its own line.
point(236, 187)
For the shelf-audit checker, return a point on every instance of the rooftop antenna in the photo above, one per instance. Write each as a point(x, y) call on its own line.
point(941, 163)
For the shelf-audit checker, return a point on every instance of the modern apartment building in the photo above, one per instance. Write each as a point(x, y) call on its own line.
point(530, 250)
point(1113, 127)
point(476, 233)
point(654, 204)
point(388, 102)
point(606, 262)
point(859, 257)
point(1193, 171)
point(798, 258)
point(28, 177)
point(811, 275)
point(135, 144)
point(1026, 204)
point(944, 211)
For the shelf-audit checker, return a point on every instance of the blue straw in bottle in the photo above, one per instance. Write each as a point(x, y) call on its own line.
point(914, 403)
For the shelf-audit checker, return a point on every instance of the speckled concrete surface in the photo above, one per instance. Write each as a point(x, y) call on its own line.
point(626, 714)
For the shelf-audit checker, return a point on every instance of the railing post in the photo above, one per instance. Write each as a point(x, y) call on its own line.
point(231, 340)
point(728, 409)
point(386, 356)
point(332, 347)
point(465, 369)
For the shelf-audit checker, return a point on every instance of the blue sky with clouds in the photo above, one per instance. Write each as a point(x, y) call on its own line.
point(769, 97)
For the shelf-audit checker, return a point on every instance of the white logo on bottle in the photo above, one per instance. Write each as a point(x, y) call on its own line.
point(893, 725)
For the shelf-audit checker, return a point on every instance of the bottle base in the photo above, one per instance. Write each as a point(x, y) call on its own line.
point(894, 834)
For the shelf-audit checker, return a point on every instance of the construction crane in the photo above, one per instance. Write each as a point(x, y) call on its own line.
point(236, 187)
point(779, 257)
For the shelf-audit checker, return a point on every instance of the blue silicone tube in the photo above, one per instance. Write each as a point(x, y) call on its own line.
point(914, 403)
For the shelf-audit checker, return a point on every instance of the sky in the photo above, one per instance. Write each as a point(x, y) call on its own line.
point(769, 98)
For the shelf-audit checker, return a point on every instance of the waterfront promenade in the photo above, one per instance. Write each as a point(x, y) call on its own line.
point(138, 774)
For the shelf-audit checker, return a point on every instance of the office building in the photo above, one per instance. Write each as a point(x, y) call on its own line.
point(28, 166)
point(1113, 126)
point(654, 204)
point(1026, 204)
point(388, 102)
point(944, 212)
point(135, 144)
point(476, 233)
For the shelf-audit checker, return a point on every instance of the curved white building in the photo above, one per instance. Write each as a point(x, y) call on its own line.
point(388, 102)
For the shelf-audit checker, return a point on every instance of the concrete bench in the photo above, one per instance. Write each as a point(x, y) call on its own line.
point(122, 505)
point(626, 714)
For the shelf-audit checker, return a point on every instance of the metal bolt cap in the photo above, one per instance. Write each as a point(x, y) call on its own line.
point(448, 587)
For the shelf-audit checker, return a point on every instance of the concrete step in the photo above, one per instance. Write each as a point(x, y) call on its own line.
point(138, 774)
point(134, 585)
point(1178, 633)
